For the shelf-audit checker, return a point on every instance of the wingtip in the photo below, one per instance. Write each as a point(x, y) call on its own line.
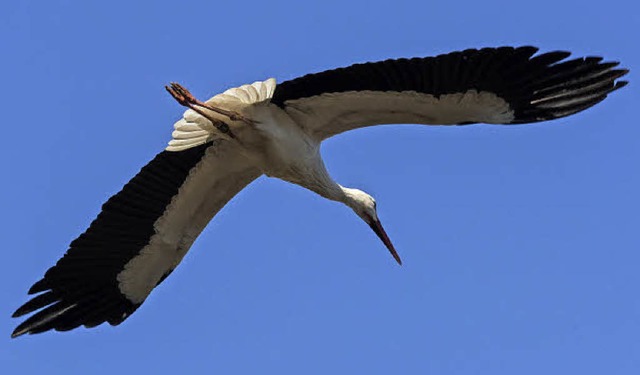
point(397, 258)
point(620, 84)
point(39, 286)
point(19, 332)
point(14, 335)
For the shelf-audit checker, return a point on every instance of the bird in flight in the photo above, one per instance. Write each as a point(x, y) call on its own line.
point(220, 146)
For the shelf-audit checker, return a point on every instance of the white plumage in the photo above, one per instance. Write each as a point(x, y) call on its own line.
point(220, 146)
point(193, 129)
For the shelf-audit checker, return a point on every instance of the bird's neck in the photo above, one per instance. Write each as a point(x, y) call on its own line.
point(312, 174)
point(326, 188)
point(333, 191)
point(319, 181)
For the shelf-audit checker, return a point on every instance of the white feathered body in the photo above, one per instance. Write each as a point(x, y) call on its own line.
point(276, 144)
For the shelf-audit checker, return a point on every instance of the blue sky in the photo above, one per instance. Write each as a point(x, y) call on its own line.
point(520, 243)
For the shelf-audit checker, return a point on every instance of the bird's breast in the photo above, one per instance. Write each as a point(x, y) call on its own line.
point(279, 146)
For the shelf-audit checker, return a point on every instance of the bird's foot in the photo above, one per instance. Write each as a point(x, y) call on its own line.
point(181, 95)
point(185, 98)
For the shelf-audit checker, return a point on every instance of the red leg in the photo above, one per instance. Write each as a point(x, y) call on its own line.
point(184, 97)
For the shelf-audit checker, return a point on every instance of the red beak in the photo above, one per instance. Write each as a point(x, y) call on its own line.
point(379, 230)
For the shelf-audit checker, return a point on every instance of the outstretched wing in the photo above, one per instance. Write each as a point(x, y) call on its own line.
point(140, 236)
point(491, 85)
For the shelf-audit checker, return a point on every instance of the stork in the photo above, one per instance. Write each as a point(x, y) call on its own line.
point(220, 146)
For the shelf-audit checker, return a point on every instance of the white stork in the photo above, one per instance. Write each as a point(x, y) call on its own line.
point(220, 146)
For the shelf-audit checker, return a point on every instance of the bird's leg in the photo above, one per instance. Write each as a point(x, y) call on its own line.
point(186, 98)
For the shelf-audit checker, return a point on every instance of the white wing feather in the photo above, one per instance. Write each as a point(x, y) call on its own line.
point(193, 129)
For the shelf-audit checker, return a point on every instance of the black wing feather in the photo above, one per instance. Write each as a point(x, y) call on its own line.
point(537, 88)
point(82, 289)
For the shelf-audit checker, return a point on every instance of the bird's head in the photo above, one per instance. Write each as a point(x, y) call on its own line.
point(364, 205)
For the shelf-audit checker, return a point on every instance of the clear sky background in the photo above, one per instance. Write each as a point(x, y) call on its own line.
point(520, 244)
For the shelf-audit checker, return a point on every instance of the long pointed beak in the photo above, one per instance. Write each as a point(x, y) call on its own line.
point(379, 230)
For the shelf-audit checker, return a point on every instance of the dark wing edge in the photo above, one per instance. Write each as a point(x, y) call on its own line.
point(537, 88)
point(82, 289)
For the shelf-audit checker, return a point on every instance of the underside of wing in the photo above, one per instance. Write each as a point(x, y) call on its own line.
point(138, 238)
point(491, 85)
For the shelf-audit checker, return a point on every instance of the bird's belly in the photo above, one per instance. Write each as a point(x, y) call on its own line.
point(288, 166)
